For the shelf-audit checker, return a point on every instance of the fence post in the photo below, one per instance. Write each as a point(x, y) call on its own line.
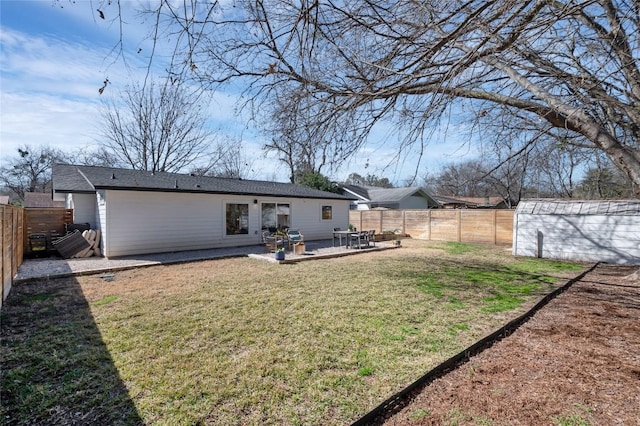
point(459, 217)
point(2, 248)
point(495, 227)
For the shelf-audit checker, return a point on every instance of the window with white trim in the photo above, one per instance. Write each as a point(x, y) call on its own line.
point(237, 219)
point(327, 212)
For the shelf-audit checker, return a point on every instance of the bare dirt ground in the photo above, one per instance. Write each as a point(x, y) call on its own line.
point(576, 362)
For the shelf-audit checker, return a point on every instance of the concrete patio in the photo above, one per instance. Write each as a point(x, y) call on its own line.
point(56, 267)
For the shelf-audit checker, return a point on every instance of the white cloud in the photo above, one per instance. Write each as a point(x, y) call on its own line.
point(49, 96)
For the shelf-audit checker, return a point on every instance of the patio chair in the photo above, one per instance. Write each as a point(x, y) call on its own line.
point(272, 242)
point(371, 237)
point(294, 236)
point(295, 241)
point(358, 239)
point(335, 236)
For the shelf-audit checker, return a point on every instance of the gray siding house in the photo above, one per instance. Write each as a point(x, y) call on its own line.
point(369, 197)
point(140, 212)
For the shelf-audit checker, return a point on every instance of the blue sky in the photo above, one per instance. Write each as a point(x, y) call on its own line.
point(54, 59)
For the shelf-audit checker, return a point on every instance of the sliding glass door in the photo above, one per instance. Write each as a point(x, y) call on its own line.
point(275, 216)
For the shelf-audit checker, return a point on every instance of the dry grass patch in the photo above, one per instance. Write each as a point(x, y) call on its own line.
point(240, 341)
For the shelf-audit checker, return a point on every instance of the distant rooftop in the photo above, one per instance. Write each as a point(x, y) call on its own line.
point(41, 200)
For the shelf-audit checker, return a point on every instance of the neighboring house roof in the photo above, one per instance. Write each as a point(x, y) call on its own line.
point(469, 202)
point(483, 201)
point(579, 207)
point(4, 199)
point(359, 192)
point(448, 201)
point(73, 178)
point(375, 195)
point(40, 200)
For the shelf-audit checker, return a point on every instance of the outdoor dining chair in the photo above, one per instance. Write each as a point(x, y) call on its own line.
point(371, 237)
point(269, 241)
point(359, 239)
point(295, 236)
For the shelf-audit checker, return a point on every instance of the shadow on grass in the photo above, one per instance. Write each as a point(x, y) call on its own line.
point(55, 367)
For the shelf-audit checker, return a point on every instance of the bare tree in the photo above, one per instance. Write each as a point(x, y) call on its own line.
point(555, 169)
point(89, 156)
point(602, 180)
point(368, 180)
point(30, 170)
point(157, 128)
point(463, 179)
point(570, 66)
point(229, 160)
point(299, 140)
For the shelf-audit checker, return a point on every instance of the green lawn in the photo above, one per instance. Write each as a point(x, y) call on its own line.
point(239, 341)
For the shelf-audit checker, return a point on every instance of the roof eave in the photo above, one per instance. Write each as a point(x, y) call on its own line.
point(206, 191)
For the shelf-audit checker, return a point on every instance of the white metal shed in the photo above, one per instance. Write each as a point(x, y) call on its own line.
point(606, 231)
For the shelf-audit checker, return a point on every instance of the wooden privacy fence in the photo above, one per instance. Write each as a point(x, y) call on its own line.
point(18, 225)
point(11, 243)
point(477, 226)
point(49, 222)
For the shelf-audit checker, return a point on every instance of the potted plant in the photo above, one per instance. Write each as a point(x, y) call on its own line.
point(280, 254)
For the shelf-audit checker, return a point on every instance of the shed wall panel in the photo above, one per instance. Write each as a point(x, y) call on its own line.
point(101, 220)
point(84, 208)
point(614, 239)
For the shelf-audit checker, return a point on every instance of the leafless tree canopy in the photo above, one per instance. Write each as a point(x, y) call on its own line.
point(30, 169)
point(228, 159)
point(300, 140)
point(157, 128)
point(565, 66)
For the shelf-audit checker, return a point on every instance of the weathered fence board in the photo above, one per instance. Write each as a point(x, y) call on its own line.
point(444, 225)
point(418, 223)
point(11, 245)
point(479, 226)
point(504, 226)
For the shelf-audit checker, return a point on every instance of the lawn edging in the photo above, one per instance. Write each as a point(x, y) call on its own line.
point(401, 399)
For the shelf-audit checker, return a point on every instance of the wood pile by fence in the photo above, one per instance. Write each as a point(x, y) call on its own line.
point(478, 226)
point(49, 222)
point(11, 243)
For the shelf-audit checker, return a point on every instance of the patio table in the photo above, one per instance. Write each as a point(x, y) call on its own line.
point(346, 234)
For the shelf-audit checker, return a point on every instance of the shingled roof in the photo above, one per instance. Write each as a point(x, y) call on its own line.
point(85, 179)
point(579, 207)
point(373, 194)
